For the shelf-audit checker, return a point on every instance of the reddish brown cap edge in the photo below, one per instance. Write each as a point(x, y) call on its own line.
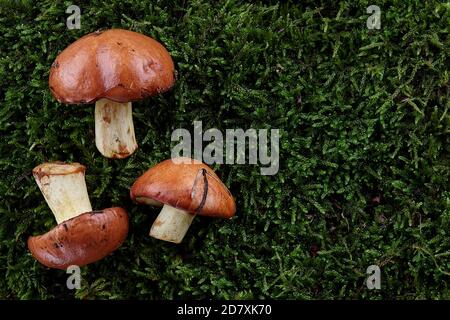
point(98, 237)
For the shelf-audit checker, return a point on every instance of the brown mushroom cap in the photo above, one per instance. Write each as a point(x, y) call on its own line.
point(81, 240)
point(116, 64)
point(191, 186)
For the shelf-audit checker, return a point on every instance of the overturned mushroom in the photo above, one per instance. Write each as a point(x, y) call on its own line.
point(82, 236)
point(112, 68)
point(184, 188)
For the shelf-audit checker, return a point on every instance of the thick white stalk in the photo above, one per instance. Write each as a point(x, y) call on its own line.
point(114, 129)
point(64, 189)
point(171, 224)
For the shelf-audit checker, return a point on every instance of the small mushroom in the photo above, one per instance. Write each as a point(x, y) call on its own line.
point(184, 188)
point(112, 68)
point(82, 236)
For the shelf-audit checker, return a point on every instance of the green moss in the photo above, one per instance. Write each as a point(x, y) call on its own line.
point(362, 113)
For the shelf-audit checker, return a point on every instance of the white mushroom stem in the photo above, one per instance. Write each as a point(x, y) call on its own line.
point(171, 224)
point(64, 189)
point(114, 130)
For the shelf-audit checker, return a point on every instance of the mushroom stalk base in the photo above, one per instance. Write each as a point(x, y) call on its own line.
point(114, 130)
point(66, 194)
point(171, 224)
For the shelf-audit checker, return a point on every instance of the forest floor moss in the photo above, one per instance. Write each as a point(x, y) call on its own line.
point(364, 153)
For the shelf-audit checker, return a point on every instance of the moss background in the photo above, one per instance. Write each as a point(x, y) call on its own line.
point(364, 153)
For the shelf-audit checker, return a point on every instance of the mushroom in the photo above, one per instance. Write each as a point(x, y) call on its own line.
point(112, 68)
point(184, 188)
point(64, 188)
point(82, 236)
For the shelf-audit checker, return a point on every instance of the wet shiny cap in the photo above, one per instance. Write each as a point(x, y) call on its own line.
point(185, 184)
point(81, 240)
point(116, 64)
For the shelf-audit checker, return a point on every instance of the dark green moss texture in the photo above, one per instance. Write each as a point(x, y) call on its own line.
point(364, 149)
